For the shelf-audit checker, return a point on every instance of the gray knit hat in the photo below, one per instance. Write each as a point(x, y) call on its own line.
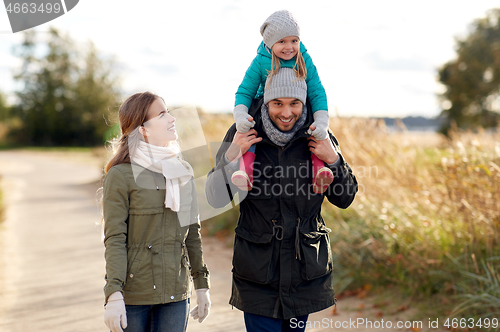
point(279, 25)
point(284, 84)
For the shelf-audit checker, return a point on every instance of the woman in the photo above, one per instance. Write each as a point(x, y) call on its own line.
point(151, 225)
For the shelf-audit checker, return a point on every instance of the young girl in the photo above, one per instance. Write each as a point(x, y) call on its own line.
point(281, 48)
point(151, 225)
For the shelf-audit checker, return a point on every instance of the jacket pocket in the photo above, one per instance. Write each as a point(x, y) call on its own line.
point(316, 253)
point(252, 258)
point(133, 268)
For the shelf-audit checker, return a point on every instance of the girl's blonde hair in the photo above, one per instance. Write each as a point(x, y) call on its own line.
point(299, 67)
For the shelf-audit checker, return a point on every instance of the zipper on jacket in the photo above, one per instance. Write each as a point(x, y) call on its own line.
point(153, 173)
point(297, 240)
point(280, 151)
point(185, 253)
point(151, 253)
point(156, 184)
point(185, 259)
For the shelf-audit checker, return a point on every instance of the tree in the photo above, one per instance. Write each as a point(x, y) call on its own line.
point(472, 80)
point(96, 93)
point(4, 118)
point(4, 109)
point(65, 96)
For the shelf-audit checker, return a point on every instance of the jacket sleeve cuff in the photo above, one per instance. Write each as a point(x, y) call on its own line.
point(228, 167)
point(338, 168)
point(202, 281)
point(231, 165)
point(336, 163)
point(110, 289)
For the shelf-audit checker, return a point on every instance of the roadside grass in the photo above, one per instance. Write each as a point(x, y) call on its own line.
point(424, 220)
point(2, 207)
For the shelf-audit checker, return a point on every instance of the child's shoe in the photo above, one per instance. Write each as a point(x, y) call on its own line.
point(243, 178)
point(322, 176)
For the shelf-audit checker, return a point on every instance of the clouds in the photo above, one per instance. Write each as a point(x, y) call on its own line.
point(163, 69)
point(373, 57)
point(414, 63)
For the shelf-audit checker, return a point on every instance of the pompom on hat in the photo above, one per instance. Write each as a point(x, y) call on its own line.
point(279, 25)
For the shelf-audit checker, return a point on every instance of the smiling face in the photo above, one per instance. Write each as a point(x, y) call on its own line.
point(287, 47)
point(159, 128)
point(284, 112)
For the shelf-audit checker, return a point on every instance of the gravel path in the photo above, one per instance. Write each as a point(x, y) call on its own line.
point(51, 273)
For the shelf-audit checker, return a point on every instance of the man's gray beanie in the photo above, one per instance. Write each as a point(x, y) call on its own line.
point(279, 25)
point(284, 84)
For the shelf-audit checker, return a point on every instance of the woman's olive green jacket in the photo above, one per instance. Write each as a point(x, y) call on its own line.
point(150, 257)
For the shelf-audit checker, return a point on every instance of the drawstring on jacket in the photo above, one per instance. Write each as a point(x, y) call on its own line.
point(276, 230)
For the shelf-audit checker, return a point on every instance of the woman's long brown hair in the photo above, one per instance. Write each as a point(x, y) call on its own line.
point(132, 114)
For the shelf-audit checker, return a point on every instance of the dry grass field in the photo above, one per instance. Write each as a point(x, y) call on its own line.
point(425, 220)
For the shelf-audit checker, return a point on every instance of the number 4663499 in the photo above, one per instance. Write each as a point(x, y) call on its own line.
point(32, 8)
point(471, 322)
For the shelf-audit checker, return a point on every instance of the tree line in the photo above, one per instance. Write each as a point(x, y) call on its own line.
point(66, 95)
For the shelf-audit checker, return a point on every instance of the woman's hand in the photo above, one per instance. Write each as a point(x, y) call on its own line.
point(241, 143)
point(115, 314)
point(201, 311)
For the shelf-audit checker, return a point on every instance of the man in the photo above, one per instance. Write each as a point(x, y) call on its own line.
point(282, 263)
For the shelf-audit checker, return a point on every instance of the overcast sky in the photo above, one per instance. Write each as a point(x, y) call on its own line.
point(375, 58)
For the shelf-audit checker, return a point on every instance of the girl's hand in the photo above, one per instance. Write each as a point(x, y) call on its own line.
point(244, 122)
point(319, 128)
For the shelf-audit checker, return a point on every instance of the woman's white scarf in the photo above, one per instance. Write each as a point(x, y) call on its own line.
point(165, 160)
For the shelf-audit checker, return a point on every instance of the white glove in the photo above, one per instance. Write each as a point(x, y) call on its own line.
point(321, 119)
point(115, 313)
point(241, 117)
point(201, 311)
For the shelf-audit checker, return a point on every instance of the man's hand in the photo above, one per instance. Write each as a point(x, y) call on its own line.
point(323, 149)
point(241, 143)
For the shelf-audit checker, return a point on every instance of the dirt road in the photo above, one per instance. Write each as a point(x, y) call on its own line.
point(51, 253)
